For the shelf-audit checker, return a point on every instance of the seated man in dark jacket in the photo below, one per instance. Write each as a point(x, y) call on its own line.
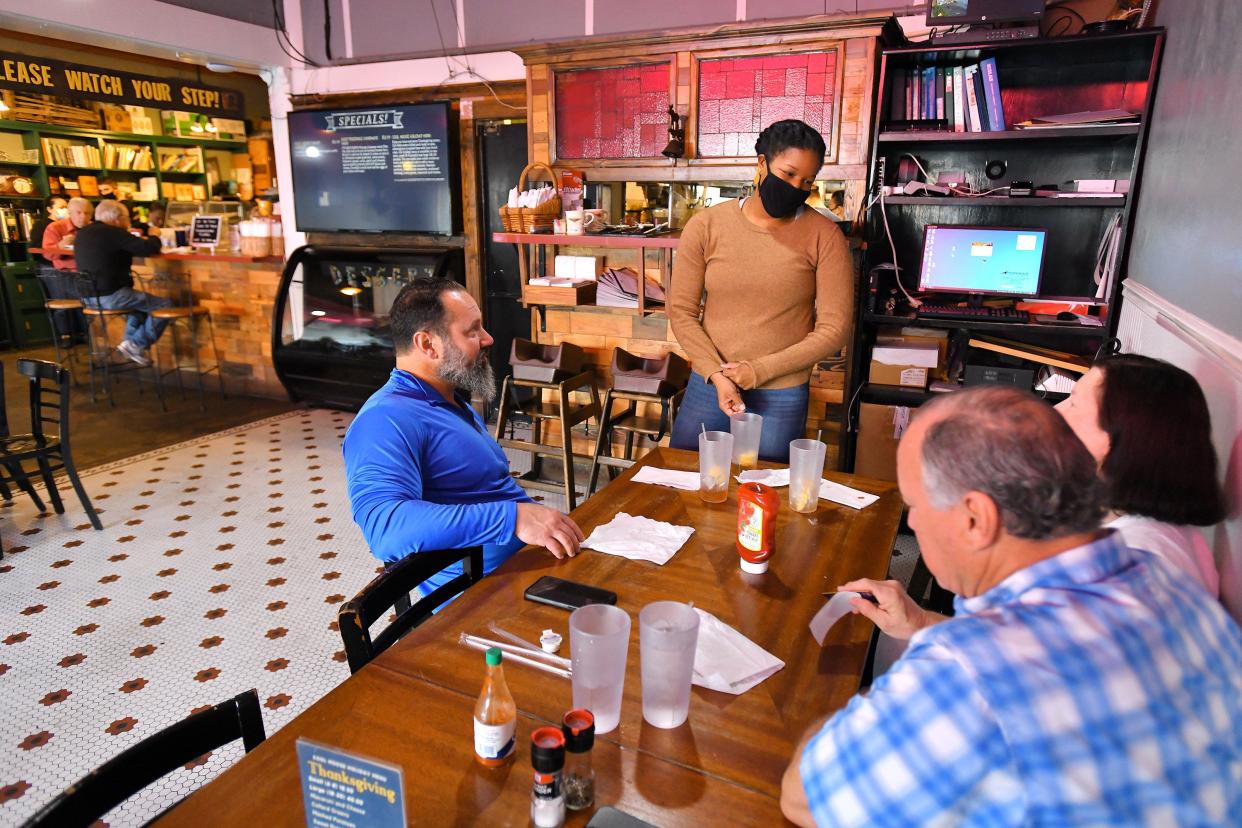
point(105, 250)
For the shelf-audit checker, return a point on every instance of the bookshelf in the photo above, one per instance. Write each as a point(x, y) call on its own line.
point(46, 153)
point(1037, 78)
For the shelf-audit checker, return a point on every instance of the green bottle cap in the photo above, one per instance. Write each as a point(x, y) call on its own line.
point(493, 656)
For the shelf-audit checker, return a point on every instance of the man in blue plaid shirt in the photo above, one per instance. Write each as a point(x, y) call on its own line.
point(1079, 682)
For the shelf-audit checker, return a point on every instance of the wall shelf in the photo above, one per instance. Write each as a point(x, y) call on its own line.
point(1050, 134)
point(1005, 201)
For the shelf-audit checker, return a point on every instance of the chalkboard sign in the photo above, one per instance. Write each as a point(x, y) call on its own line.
point(205, 231)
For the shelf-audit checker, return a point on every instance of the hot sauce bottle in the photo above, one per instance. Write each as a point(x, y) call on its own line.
point(495, 716)
point(757, 505)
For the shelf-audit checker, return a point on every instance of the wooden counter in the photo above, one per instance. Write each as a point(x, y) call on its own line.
point(240, 292)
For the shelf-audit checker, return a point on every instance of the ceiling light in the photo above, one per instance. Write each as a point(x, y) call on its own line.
point(210, 127)
point(196, 127)
point(351, 290)
point(319, 313)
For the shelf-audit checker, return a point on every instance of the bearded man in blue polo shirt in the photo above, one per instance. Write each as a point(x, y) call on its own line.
point(424, 473)
point(1079, 682)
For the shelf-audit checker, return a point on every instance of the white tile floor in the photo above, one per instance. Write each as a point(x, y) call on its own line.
point(220, 568)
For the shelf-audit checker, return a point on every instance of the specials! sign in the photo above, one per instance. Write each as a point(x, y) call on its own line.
point(72, 80)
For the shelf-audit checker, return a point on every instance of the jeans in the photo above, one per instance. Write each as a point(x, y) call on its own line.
point(783, 411)
point(140, 327)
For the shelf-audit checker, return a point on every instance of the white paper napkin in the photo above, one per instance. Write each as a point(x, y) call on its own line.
point(828, 490)
point(838, 607)
point(728, 661)
point(845, 496)
point(639, 538)
point(689, 481)
point(768, 477)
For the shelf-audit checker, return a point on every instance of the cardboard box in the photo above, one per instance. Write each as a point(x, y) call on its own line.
point(879, 431)
point(904, 364)
point(914, 334)
point(571, 189)
point(118, 120)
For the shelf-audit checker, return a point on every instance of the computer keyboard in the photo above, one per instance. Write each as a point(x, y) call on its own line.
point(973, 314)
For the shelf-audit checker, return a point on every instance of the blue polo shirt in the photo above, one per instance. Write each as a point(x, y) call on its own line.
point(424, 474)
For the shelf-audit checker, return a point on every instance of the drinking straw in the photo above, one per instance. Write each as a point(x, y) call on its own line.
point(519, 655)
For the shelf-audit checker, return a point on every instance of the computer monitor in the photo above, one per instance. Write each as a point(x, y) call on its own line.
point(958, 12)
point(993, 260)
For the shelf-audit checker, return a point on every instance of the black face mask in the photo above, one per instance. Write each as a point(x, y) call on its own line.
point(780, 199)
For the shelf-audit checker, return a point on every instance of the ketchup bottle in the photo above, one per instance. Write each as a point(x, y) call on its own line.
point(756, 526)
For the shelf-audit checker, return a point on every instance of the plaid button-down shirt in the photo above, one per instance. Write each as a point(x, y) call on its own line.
point(1097, 687)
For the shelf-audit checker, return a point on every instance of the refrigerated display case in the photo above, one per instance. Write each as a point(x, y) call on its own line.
point(331, 342)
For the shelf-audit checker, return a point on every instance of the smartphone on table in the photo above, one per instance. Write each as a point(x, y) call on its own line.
point(568, 595)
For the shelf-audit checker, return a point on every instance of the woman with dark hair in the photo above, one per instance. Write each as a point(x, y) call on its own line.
point(1146, 423)
point(762, 290)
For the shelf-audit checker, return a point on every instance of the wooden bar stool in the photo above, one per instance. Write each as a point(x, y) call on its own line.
point(64, 310)
point(561, 369)
point(185, 316)
point(635, 379)
point(102, 350)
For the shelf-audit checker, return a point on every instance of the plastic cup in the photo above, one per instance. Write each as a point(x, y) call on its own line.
point(806, 469)
point(668, 634)
point(746, 430)
point(715, 457)
point(599, 642)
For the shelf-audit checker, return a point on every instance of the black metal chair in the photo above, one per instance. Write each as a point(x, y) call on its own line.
point(391, 590)
point(49, 392)
point(125, 775)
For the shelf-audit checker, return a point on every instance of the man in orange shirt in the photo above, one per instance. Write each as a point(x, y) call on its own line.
point(62, 232)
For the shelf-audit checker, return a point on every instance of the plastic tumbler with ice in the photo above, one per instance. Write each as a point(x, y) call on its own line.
point(806, 470)
point(746, 430)
point(668, 633)
point(599, 642)
point(715, 456)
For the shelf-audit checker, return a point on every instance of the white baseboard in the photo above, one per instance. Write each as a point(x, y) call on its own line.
point(1152, 325)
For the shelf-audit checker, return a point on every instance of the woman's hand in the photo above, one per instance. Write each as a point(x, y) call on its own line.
point(728, 395)
point(740, 374)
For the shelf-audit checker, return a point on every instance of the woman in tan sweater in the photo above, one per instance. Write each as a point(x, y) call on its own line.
point(762, 290)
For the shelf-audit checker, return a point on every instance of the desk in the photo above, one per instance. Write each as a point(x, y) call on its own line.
point(412, 706)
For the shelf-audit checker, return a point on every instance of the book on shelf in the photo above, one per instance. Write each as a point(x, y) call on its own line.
point(89, 185)
point(940, 91)
point(985, 118)
point(1104, 117)
point(991, 92)
point(959, 99)
point(60, 152)
point(972, 102)
point(964, 97)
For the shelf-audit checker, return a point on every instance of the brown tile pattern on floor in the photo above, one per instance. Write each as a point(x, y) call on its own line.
point(221, 567)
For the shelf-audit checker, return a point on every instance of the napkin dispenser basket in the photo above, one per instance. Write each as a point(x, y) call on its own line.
point(660, 376)
point(545, 363)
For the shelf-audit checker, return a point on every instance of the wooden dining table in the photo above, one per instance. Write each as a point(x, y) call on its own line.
point(412, 706)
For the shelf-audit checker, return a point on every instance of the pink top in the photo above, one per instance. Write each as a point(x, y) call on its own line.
point(1183, 546)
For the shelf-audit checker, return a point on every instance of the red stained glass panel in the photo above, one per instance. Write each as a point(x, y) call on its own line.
point(621, 112)
point(738, 97)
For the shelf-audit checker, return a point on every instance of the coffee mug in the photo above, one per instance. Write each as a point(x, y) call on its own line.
point(601, 218)
point(576, 222)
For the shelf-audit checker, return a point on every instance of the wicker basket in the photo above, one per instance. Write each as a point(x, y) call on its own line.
point(531, 219)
